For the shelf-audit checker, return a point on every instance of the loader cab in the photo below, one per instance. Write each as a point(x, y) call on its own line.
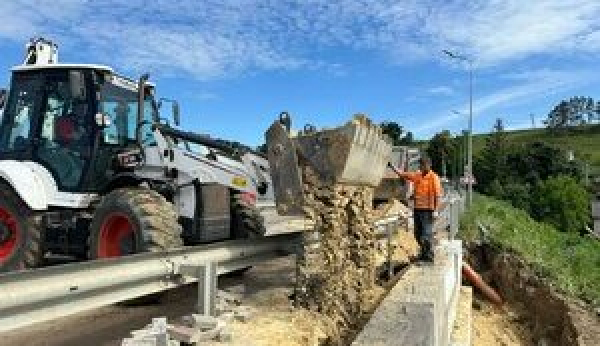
point(52, 117)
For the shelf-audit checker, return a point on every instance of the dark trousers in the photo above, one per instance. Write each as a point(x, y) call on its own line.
point(424, 232)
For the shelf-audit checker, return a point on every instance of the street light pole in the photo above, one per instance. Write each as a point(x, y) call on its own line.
point(470, 136)
point(470, 154)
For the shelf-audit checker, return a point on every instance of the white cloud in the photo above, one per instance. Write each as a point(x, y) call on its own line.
point(207, 39)
point(498, 31)
point(525, 87)
point(441, 90)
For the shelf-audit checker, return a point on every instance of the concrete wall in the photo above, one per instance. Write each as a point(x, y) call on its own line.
point(421, 308)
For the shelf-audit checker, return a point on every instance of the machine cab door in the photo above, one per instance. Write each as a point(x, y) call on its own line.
point(65, 129)
point(46, 123)
point(17, 134)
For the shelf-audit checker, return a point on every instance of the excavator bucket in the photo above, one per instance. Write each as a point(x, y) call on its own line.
point(354, 154)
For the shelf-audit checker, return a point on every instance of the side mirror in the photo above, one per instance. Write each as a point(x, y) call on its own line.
point(3, 95)
point(77, 85)
point(176, 118)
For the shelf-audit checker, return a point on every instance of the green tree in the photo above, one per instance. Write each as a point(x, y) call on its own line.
point(518, 194)
point(408, 139)
point(562, 202)
point(262, 148)
point(534, 162)
point(397, 134)
point(492, 164)
point(441, 149)
point(393, 130)
point(573, 112)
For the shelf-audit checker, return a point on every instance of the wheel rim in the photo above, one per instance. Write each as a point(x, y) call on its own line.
point(116, 236)
point(9, 244)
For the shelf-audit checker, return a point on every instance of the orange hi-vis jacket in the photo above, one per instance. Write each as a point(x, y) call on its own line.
point(428, 188)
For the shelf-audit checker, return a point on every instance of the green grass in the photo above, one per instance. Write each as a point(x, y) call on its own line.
point(570, 262)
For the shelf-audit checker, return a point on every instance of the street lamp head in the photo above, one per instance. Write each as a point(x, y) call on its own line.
point(449, 53)
point(457, 56)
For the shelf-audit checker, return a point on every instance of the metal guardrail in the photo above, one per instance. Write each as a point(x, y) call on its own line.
point(387, 227)
point(32, 296)
point(449, 218)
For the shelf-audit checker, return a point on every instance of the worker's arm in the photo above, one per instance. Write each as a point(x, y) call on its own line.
point(405, 175)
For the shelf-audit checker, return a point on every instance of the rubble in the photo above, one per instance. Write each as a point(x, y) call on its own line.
point(154, 334)
point(195, 328)
point(337, 276)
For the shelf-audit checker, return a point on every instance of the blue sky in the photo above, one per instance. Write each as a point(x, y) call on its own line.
point(234, 65)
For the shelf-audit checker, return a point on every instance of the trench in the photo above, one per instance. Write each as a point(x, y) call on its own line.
point(533, 311)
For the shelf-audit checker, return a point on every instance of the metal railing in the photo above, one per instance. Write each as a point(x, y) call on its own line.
point(32, 296)
point(449, 218)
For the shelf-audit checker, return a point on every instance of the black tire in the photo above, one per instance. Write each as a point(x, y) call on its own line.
point(23, 232)
point(152, 218)
point(155, 227)
point(246, 221)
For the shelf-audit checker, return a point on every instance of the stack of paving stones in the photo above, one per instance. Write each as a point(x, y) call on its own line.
point(337, 273)
point(194, 329)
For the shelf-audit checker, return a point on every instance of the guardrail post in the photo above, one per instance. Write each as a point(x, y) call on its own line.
point(207, 288)
point(389, 229)
point(454, 212)
point(206, 273)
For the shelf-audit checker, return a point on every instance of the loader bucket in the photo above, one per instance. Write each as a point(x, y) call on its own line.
point(354, 154)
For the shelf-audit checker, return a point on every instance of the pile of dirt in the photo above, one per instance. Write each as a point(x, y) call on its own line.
point(338, 272)
point(391, 208)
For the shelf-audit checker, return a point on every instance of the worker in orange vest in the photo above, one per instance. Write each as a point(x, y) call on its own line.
point(427, 196)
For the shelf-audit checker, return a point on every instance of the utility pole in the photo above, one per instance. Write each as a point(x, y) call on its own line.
point(532, 120)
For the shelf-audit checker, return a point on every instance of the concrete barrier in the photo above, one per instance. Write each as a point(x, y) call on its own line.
point(421, 308)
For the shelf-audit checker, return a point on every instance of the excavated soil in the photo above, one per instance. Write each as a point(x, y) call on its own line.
point(337, 275)
point(539, 314)
point(492, 326)
point(276, 322)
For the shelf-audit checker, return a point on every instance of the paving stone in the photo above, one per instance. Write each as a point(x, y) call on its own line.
point(230, 298)
point(200, 321)
point(243, 313)
point(238, 290)
point(226, 335)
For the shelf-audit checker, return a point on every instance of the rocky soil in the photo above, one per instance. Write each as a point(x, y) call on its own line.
point(338, 272)
point(551, 317)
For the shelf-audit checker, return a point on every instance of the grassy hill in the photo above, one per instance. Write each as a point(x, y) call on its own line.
point(584, 141)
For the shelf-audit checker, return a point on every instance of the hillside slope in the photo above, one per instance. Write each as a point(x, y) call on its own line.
point(585, 141)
